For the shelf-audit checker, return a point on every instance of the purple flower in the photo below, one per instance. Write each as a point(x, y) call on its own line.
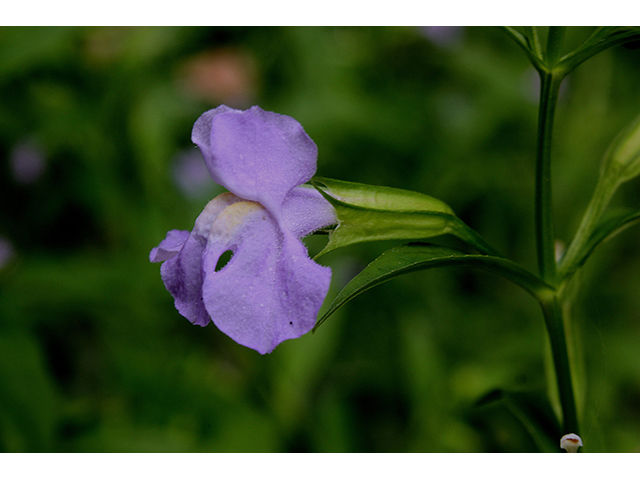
point(270, 290)
point(444, 36)
point(6, 252)
point(191, 176)
point(28, 162)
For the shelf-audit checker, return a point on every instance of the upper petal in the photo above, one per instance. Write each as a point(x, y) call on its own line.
point(270, 290)
point(257, 155)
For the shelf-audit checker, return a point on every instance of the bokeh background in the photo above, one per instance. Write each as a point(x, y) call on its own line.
point(97, 164)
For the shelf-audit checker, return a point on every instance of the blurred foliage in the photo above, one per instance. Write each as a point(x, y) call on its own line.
point(97, 165)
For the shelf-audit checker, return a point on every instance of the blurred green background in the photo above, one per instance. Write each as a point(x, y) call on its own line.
point(97, 165)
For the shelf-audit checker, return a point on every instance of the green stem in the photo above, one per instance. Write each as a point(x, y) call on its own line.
point(554, 42)
point(550, 80)
point(534, 38)
point(545, 239)
point(552, 310)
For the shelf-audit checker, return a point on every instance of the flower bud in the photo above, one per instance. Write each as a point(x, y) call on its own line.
point(571, 442)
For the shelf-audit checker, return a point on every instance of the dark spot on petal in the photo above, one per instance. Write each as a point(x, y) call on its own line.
point(224, 260)
point(290, 323)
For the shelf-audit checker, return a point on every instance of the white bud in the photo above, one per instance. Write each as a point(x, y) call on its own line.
point(571, 442)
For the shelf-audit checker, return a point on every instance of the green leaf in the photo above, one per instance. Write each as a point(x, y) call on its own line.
point(529, 43)
point(421, 256)
point(370, 213)
point(601, 39)
point(609, 227)
point(621, 163)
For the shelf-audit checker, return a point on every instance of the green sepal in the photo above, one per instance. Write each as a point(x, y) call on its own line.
point(381, 198)
point(421, 256)
point(369, 213)
point(611, 225)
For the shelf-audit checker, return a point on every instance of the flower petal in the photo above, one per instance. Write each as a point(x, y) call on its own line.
point(170, 246)
point(270, 290)
point(257, 155)
point(182, 272)
point(305, 210)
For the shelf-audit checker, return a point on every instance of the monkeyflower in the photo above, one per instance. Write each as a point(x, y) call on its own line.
point(270, 290)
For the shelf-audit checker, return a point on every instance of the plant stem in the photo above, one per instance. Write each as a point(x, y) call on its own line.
point(551, 302)
point(545, 239)
point(554, 42)
point(552, 310)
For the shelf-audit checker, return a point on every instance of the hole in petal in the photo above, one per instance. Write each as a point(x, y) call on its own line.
point(223, 260)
